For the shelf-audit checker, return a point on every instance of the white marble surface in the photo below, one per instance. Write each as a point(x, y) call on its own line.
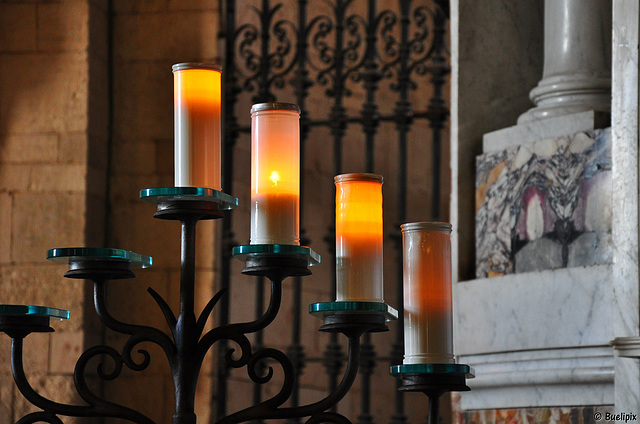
point(624, 120)
point(575, 308)
point(567, 307)
point(553, 377)
point(577, 59)
point(539, 129)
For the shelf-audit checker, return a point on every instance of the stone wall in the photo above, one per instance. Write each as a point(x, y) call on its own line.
point(53, 128)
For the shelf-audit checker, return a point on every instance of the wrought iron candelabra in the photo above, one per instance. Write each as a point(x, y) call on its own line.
point(186, 346)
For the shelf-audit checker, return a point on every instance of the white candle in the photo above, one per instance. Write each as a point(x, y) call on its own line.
point(275, 173)
point(359, 237)
point(428, 318)
point(197, 147)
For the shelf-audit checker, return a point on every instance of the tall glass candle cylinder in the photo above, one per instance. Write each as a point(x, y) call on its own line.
point(359, 237)
point(428, 317)
point(275, 173)
point(197, 148)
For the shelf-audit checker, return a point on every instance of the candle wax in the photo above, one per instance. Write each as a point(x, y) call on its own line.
point(197, 155)
point(358, 268)
point(274, 218)
point(428, 318)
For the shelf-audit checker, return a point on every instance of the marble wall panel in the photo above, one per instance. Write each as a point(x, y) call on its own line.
point(567, 415)
point(544, 205)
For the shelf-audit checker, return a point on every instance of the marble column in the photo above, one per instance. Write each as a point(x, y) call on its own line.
point(577, 60)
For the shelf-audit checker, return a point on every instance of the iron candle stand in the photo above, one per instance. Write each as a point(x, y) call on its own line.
point(187, 343)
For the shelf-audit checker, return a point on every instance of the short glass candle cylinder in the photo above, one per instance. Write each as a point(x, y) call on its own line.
point(197, 147)
point(428, 318)
point(275, 173)
point(359, 237)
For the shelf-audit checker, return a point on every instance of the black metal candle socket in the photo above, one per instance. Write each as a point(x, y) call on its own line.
point(187, 344)
point(433, 380)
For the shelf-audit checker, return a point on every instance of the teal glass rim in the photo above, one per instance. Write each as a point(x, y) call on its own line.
point(319, 309)
point(432, 369)
point(30, 310)
point(74, 254)
point(159, 194)
point(241, 252)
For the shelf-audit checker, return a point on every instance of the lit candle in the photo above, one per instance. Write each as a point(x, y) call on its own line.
point(428, 318)
point(275, 173)
point(359, 237)
point(197, 149)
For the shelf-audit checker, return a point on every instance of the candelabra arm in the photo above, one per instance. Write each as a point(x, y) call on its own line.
point(50, 409)
point(138, 333)
point(269, 315)
point(316, 411)
point(236, 331)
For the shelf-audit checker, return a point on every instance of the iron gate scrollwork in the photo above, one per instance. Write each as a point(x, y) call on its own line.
point(335, 47)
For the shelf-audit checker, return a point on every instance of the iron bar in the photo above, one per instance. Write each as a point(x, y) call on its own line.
point(230, 132)
point(385, 57)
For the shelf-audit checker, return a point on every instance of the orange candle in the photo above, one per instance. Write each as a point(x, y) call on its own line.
point(197, 148)
point(428, 317)
point(359, 237)
point(275, 173)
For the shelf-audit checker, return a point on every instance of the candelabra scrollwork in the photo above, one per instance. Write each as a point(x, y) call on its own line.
point(187, 343)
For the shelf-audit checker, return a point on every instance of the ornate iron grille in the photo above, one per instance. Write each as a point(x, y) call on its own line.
point(323, 55)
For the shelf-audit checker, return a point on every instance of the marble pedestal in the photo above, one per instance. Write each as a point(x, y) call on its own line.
point(537, 329)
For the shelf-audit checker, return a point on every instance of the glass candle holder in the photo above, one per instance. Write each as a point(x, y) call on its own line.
point(428, 317)
point(359, 237)
point(197, 148)
point(275, 173)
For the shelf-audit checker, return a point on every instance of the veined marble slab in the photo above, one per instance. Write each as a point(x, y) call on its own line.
point(539, 378)
point(544, 205)
point(568, 307)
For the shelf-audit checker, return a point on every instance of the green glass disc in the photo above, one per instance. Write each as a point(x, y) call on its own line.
point(318, 309)
point(30, 310)
point(68, 254)
point(159, 194)
point(241, 252)
point(433, 369)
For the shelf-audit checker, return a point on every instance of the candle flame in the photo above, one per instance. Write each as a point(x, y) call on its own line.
point(275, 177)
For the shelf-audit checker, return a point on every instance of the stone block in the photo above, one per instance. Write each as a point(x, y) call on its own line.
point(36, 354)
point(6, 400)
point(536, 201)
point(22, 148)
point(43, 221)
point(194, 5)
point(143, 37)
point(5, 222)
point(14, 177)
point(143, 104)
point(63, 26)
point(58, 178)
point(17, 27)
point(73, 147)
point(66, 348)
point(164, 156)
point(134, 158)
point(139, 6)
point(150, 394)
point(34, 101)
